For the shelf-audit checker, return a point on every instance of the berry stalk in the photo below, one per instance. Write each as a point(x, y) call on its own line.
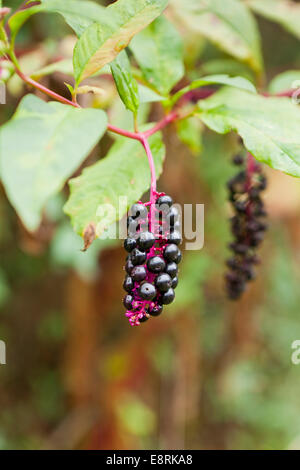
point(153, 192)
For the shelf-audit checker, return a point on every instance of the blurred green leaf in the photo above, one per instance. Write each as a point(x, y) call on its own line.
point(284, 12)
point(192, 274)
point(64, 66)
point(103, 41)
point(228, 24)
point(285, 81)
point(77, 16)
point(147, 95)
point(52, 141)
point(269, 127)
point(123, 172)
point(127, 85)
point(136, 416)
point(229, 67)
point(189, 132)
point(65, 252)
point(158, 50)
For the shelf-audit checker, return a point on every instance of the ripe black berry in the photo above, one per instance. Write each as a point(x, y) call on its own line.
point(138, 257)
point(174, 282)
point(156, 264)
point(156, 310)
point(172, 269)
point(238, 160)
point(138, 211)
point(163, 282)
point(146, 240)
point(164, 200)
point(139, 273)
point(128, 284)
point(129, 266)
point(175, 238)
point(147, 291)
point(168, 297)
point(127, 301)
point(172, 216)
point(129, 244)
point(172, 253)
point(143, 319)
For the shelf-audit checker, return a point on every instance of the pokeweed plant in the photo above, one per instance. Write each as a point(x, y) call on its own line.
point(137, 44)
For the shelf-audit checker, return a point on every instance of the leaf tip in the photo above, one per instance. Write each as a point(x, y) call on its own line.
point(89, 236)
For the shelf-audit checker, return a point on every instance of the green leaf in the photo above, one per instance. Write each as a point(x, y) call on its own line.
point(236, 82)
point(123, 172)
point(189, 132)
point(158, 50)
point(284, 12)
point(228, 24)
point(269, 127)
point(147, 95)
point(127, 85)
point(229, 67)
point(40, 148)
point(285, 81)
point(79, 17)
point(64, 66)
point(17, 20)
point(102, 41)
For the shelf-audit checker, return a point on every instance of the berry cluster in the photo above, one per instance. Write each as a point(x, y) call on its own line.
point(246, 225)
point(152, 263)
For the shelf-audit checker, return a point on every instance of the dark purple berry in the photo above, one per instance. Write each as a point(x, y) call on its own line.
point(127, 301)
point(138, 257)
point(168, 297)
point(139, 273)
point(172, 269)
point(129, 266)
point(129, 244)
point(128, 284)
point(156, 264)
point(138, 211)
point(156, 310)
point(163, 282)
point(175, 238)
point(172, 216)
point(174, 282)
point(133, 228)
point(172, 253)
point(165, 202)
point(147, 291)
point(143, 319)
point(175, 227)
point(146, 240)
point(238, 160)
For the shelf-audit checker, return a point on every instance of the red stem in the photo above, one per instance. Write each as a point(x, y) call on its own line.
point(153, 191)
point(45, 90)
point(163, 123)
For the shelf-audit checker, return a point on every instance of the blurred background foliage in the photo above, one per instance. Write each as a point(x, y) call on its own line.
point(207, 374)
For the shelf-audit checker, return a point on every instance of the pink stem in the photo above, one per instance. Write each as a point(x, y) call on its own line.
point(163, 123)
point(153, 191)
point(130, 135)
point(45, 90)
